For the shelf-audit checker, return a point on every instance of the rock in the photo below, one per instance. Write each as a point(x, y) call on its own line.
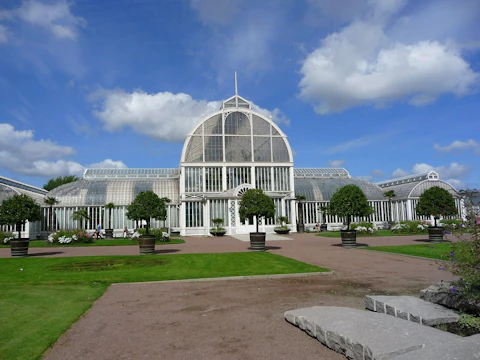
point(443, 294)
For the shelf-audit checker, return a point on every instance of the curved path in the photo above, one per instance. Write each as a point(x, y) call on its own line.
point(234, 319)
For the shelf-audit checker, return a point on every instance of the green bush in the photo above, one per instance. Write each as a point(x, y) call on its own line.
point(451, 224)
point(410, 227)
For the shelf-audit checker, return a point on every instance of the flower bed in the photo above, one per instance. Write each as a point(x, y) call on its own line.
point(65, 237)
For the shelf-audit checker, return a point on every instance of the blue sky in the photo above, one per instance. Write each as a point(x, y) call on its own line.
point(383, 88)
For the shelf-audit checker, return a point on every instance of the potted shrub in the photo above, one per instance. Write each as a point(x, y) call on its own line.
point(109, 231)
point(283, 229)
point(436, 202)
point(218, 230)
point(17, 211)
point(147, 205)
point(256, 204)
point(349, 201)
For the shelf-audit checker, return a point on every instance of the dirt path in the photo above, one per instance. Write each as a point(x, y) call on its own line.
point(236, 319)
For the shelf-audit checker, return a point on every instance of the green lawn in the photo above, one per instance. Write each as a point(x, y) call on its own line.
point(100, 242)
point(41, 297)
point(336, 234)
point(432, 251)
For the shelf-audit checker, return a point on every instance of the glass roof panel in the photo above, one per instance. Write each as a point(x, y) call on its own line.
point(262, 149)
point(260, 126)
point(237, 123)
point(194, 151)
point(279, 150)
point(238, 149)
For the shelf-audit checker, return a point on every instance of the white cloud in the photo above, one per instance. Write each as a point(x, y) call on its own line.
point(215, 11)
point(21, 154)
point(452, 171)
point(399, 172)
point(55, 17)
point(377, 173)
point(3, 34)
point(362, 65)
point(364, 178)
point(458, 145)
point(164, 115)
point(108, 164)
point(335, 163)
point(352, 144)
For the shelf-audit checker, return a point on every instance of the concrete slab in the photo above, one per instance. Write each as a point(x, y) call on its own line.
point(269, 237)
point(411, 308)
point(362, 335)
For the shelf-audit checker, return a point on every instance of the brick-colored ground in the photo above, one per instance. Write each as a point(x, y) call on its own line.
point(234, 319)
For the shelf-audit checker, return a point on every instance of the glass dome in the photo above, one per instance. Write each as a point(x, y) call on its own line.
point(317, 189)
point(236, 134)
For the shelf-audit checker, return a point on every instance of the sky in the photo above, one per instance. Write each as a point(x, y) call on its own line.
point(382, 88)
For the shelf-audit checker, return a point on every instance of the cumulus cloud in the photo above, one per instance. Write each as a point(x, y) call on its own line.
point(3, 34)
point(399, 172)
point(335, 163)
point(453, 173)
point(162, 116)
point(108, 164)
point(377, 173)
point(22, 154)
point(55, 17)
point(458, 145)
point(362, 65)
point(215, 11)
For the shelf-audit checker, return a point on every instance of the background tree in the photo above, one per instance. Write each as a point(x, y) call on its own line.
point(51, 201)
point(255, 203)
point(147, 205)
point(61, 180)
point(390, 194)
point(18, 210)
point(110, 206)
point(81, 216)
point(349, 201)
point(436, 202)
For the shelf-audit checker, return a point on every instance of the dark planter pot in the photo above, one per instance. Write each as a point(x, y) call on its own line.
point(349, 239)
point(323, 227)
point(19, 247)
point(108, 233)
point(218, 233)
point(147, 244)
point(282, 232)
point(435, 234)
point(257, 241)
point(300, 228)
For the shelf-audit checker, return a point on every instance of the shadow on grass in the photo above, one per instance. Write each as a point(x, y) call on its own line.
point(166, 251)
point(358, 245)
point(45, 253)
point(427, 241)
point(268, 248)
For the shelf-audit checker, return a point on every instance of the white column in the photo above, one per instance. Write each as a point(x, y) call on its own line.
point(409, 210)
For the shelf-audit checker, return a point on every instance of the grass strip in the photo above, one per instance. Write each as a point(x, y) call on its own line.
point(337, 234)
point(42, 297)
point(100, 242)
point(432, 251)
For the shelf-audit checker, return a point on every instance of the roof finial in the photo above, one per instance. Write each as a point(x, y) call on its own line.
point(236, 84)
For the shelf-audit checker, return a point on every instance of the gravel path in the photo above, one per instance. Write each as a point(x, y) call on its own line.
point(234, 319)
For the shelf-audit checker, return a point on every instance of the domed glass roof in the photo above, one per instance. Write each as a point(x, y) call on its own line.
point(236, 134)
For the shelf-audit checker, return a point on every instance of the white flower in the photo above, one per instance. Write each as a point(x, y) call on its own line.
point(165, 236)
point(74, 237)
point(136, 234)
point(7, 240)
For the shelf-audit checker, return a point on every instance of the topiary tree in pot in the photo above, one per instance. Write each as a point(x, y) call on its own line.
point(347, 202)
point(283, 228)
point(436, 202)
point(17, 211)
point(256, 204)
point(109, 231)
point(146, 206)
point(218, 230)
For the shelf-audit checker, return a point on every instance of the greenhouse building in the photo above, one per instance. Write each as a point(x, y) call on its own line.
point(224, 155)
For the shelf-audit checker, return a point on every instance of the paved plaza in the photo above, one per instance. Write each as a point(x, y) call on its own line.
point(235, 319)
